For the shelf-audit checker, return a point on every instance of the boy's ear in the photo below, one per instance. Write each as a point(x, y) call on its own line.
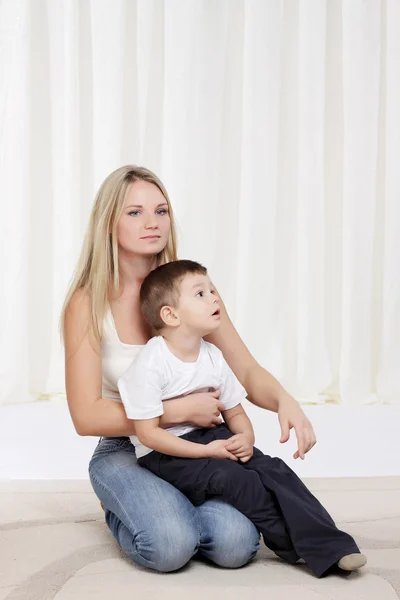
point(169, 316)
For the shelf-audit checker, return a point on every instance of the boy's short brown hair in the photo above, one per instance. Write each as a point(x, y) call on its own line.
point(161, 288)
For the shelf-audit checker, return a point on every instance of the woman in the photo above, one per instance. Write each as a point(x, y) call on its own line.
point(131, 231)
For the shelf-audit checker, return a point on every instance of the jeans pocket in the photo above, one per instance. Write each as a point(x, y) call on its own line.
point(110, 445)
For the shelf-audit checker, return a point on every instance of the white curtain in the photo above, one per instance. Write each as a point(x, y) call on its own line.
point(275, 126)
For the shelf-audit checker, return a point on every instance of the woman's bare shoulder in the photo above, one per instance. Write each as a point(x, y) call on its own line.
point(77, 321)
point(80, 302)
point(83, 368)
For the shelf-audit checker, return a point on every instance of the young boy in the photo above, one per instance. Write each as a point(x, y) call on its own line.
point(179, 302)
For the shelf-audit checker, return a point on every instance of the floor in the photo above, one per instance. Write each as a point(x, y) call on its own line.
point(54, 545)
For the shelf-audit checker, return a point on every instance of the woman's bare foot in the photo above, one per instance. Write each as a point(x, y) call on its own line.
point(352, 562)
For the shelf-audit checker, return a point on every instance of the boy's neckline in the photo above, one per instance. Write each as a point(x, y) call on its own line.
point(179, 360)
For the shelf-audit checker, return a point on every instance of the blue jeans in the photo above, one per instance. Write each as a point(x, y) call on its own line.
point(155, 525)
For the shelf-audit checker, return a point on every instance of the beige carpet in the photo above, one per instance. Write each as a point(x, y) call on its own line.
point(55, 545)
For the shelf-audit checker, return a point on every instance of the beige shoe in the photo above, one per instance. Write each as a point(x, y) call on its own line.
point(352, 562)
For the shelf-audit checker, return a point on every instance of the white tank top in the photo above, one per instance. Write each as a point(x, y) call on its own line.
point(116, 357)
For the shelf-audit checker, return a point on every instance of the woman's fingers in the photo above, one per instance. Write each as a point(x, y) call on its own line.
point(305, 441)
point(310, 436)
point(285, 430)
point(300, 442)
point(311, 443)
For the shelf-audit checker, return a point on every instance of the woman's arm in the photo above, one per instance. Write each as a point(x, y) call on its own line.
point(91, 414)
point(262, 388)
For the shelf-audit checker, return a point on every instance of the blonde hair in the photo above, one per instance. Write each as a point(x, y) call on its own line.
point(97, 269)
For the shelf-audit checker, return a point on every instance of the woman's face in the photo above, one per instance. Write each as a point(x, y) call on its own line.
point(144, 225)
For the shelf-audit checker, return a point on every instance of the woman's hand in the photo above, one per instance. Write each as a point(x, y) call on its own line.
point(291, 415)
point(204, 408)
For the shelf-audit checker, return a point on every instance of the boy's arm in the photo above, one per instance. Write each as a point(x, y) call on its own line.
point(239, 422)
point(151, 435)
point(241, 444)
point(232, 394)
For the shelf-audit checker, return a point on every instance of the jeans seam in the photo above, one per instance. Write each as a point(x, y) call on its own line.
point(197, 518)
point(115, 497)
point(199, 529)
point(130, 527)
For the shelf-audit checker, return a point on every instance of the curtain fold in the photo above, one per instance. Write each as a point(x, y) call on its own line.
point(15, 233)
point(275, 128)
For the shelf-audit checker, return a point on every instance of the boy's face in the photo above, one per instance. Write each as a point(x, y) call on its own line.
point(198, 306)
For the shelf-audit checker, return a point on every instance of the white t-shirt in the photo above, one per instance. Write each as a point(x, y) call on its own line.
point(157, 375)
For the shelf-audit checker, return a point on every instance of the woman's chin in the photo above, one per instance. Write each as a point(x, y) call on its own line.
point(147, 252)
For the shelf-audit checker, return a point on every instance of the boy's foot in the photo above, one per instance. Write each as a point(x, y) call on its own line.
point(352, 562)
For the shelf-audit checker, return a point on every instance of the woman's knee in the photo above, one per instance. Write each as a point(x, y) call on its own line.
point(237, 546)
point(166, 547)
point(228, 538)
point(155, 525)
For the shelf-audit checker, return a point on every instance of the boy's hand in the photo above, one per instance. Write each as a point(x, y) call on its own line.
point(241, 446)
point(217, 449)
